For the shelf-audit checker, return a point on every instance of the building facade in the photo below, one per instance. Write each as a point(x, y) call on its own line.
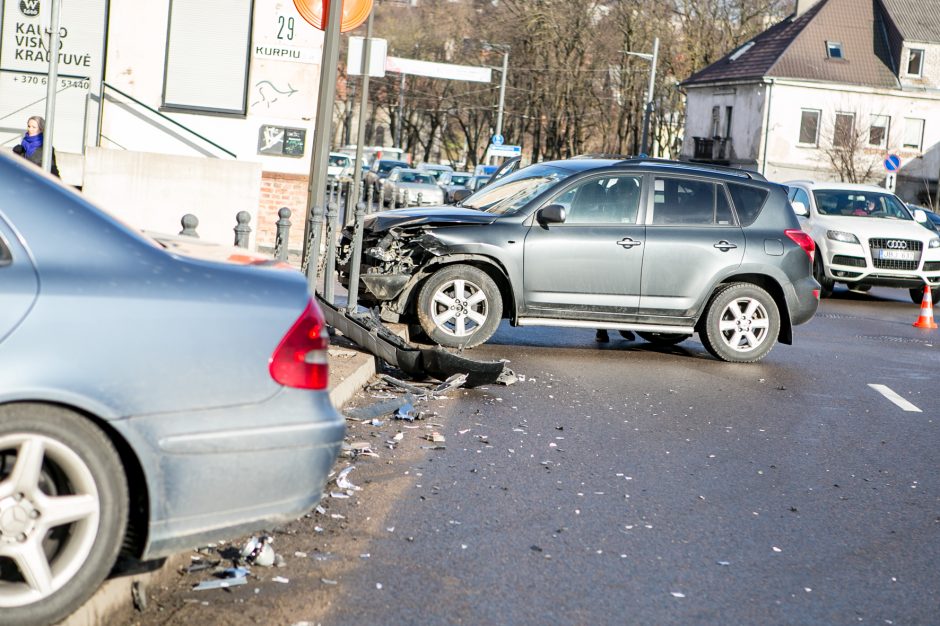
point(828, 94)
point(170, 83)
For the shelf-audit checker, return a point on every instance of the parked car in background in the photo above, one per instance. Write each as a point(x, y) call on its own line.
point(340, 166)
point(485, 170)
point(412, 187)
point(451, 182)
point(477, 182)
point(866, 236)
point(378, 173)
point(658, 247)
point(150, 400)
point(435, 170)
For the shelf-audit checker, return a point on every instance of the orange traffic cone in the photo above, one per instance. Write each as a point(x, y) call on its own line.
point(926, 311)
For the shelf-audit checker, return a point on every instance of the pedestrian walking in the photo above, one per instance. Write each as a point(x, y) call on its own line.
point(31, 147)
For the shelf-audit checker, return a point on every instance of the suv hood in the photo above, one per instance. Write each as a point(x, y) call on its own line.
point(440, 216)
point(878, 227)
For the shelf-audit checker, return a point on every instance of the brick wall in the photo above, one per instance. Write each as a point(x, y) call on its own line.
point(281, 190)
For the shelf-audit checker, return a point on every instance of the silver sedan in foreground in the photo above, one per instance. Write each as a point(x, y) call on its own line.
point(149, 401)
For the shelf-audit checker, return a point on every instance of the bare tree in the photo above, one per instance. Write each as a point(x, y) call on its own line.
point(850, 153)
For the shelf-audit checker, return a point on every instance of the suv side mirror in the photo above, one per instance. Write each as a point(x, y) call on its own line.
point(799, 208)
point(552, 214)
point(920, 216)
point(461, 194)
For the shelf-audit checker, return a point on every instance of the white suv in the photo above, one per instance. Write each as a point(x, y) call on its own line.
point(866, 236)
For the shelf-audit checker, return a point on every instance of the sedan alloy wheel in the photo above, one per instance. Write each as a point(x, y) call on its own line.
point(63, 508)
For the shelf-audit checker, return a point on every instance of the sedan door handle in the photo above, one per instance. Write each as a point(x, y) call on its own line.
point(628, 243)
point(724, 246)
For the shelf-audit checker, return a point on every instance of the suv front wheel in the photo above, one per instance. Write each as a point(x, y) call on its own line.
point(741, 324)
point(459, 306)
point(819, 273)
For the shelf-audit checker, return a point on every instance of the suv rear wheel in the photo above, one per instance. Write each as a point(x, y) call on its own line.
point(459, 306)
point(741, 324)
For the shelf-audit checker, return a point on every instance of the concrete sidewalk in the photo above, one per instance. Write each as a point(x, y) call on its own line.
point(350, 369)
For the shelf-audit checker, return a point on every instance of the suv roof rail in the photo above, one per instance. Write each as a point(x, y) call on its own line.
point(733, 171)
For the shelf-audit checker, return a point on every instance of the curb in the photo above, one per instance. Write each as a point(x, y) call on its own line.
point(348, 374)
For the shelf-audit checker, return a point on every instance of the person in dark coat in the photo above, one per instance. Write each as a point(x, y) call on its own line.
point(32, 145)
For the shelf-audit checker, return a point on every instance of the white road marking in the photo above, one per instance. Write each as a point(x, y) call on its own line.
point(889, 393)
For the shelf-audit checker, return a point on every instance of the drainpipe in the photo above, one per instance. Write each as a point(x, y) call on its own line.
point(770, 90)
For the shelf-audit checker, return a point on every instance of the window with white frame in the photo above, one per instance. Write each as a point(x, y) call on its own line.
point(716, 121)
point(915, 62)
point(913, 133)
point(207, 59)
point(878, 131)
point(834, 49)
point(843, 132)
point(809, 127)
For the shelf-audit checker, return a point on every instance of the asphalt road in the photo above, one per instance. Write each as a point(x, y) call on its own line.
point(624, 484)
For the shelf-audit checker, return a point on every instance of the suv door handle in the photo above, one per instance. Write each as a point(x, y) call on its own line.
point(628, 243)
point(724, 246)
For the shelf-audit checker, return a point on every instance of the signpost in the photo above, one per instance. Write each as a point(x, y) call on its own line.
point(502, 150)
point(892, 165)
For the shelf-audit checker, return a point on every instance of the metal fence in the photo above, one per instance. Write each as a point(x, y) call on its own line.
point(343, 207)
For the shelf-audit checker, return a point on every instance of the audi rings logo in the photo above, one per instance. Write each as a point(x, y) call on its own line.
point(29, 8)
point(896, 244)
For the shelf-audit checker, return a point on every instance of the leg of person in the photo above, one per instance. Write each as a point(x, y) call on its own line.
point(601, 336)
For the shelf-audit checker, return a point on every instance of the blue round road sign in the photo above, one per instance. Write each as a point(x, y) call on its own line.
point(892, 163)
point(497, 140)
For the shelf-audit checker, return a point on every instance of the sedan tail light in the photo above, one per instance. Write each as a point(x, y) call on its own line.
point(300, 360)
point(802, 240)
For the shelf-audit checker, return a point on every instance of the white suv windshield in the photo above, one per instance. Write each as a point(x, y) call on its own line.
point(860, 204)
point(509, 194)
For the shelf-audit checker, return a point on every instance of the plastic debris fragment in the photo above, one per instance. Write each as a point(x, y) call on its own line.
point(406, 412)
point(220, 583)
point(200, 565)
point(342, 480)
point(280, 579)
point(258, 551)
point(507, 377)
point(379, 408)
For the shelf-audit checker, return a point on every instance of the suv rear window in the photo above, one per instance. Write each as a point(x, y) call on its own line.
point(748, 201)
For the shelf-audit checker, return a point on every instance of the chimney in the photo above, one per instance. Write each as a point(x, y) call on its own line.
point(802, 6)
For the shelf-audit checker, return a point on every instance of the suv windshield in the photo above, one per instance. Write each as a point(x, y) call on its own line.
point(509, 194)
point(860, 203)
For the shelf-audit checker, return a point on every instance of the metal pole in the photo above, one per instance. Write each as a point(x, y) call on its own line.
point(401, 112)
point(363, 103)
point(502, 94)
point(644, 145)
point(53, 78)
point(319, 155)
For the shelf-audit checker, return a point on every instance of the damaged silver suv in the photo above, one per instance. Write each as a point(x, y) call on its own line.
point(662, 248)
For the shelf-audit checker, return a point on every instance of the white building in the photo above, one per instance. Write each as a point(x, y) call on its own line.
point(849, 80)
point(215, 100)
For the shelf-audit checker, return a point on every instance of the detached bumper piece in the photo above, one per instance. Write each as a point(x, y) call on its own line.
point(371, 335)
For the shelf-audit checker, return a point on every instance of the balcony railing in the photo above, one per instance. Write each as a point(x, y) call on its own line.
point(712, 149)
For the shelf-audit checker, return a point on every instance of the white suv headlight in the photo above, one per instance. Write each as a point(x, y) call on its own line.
point(934, 243)
point(838, 235)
